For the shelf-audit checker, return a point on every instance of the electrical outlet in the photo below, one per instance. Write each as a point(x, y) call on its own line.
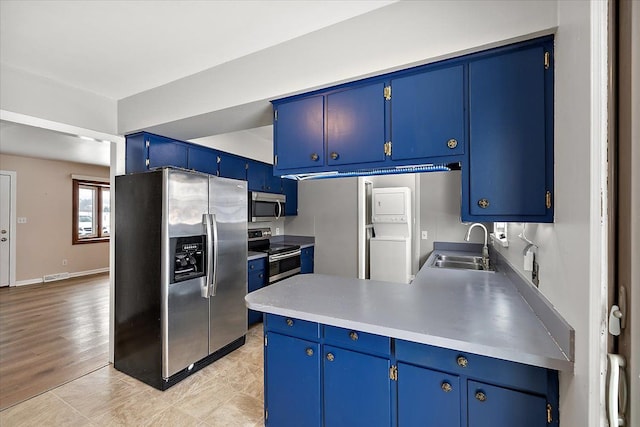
point(424, 234)
point(22, 220)
point(535, 274)
point(64, 262)
point(277, 231)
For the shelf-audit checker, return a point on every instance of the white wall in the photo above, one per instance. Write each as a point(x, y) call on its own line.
point(255, 143)
point(407, 32)
point(327, 209)
point(32, 95)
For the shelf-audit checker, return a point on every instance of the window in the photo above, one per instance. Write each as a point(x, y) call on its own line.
point(91, 211)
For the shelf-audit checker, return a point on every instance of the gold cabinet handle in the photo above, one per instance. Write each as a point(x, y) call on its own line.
point(289, 322)
point(330, 357)
point(481, 396)
point(462, 361)
point(309, 351)
point(483, 203)
point(353, 335)
point(334, 156)
point(315, 157)
point(452, 143)
point(446, 387)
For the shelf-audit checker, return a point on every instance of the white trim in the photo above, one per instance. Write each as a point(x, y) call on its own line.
point(13, 176)
point(90, 178)
point(71, 275)
point(598, 223)
point(24, 119)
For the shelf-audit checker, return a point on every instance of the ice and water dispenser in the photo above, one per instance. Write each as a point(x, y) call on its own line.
point(189, 258)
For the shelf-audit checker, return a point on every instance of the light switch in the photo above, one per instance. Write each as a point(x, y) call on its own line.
point(424, 234)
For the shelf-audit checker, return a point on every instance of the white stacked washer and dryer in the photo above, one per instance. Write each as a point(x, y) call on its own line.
point(390, 249)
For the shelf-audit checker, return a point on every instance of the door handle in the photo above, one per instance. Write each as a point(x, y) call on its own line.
point(206, 220)
point(617, 393)
point(214, 276)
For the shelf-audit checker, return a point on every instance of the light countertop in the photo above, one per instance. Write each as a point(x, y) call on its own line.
point(472, 311)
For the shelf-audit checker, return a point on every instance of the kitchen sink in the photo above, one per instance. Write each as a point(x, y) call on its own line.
point(459, 262)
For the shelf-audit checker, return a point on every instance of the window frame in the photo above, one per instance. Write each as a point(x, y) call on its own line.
point(99, 186)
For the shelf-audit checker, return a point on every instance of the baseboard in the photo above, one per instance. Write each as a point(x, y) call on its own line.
point(71, 275)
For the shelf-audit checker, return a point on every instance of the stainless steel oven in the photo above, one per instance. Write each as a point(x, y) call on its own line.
point(265, 206)
point(284, 259)
point(284, 262)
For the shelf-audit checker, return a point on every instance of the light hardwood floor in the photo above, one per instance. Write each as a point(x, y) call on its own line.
point(227, 393)
point(50, 334)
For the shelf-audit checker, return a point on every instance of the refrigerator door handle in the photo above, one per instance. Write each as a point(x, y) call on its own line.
point(206, 220)
point(214, 278)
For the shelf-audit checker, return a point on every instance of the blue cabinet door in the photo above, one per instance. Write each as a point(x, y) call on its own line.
point(203, 160)
point(257, 279)
point(427, 397)
point(292, 382)
point(357, 389)
point(306, 260)
point(356, 125)
point(230, 166)
point(510, 140)
point(290, 190)
point(260, 177)
point(299, 133)
point(491, 406)
point(166, 152)
point(427, 114)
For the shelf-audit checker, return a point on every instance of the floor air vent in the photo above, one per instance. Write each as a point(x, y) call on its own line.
point(57, 276)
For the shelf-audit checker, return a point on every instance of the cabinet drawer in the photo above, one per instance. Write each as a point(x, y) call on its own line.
point(356, 340)
point(257, 264)
point(497, 371)
point(291, 326)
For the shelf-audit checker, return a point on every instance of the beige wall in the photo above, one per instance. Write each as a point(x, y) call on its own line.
point(44, 197)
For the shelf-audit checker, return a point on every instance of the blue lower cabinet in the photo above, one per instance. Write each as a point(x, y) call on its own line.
point(292, 382)
point(492, 406)
point(306, 260)
point(427, 397)
point(255, 282)
point(357, 389)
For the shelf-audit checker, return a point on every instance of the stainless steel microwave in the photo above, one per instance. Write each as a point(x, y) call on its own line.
point(265, 206)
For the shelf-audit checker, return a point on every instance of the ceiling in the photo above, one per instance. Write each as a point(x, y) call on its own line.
point(120, 48)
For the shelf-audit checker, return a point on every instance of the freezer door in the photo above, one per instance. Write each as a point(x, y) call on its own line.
point(185, 313)
point(228, 313)
point(188, 326)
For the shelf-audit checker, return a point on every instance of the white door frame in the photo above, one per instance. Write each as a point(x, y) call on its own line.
point(12, 225)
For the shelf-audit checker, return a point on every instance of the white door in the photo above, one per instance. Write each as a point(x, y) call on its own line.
point(5, 228)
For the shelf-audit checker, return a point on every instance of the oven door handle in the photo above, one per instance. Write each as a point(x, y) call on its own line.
point(278, 257)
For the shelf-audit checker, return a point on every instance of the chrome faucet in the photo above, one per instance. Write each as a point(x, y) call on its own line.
point(485, 248)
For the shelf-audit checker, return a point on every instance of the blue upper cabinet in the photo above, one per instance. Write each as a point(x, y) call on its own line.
point(510, 172)
point(260, 177)
point(427, 114)
point(230, 166)
point(290, 190)
point(356, 125)
point(299, 134)
point(145, 151)
point(203, 159)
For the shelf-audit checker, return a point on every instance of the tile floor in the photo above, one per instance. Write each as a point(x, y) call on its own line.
point(228, 393)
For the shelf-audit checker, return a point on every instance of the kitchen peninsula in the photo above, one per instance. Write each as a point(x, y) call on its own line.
point(454, 347)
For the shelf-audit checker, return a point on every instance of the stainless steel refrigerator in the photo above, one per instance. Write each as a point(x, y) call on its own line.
point(180, 272)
